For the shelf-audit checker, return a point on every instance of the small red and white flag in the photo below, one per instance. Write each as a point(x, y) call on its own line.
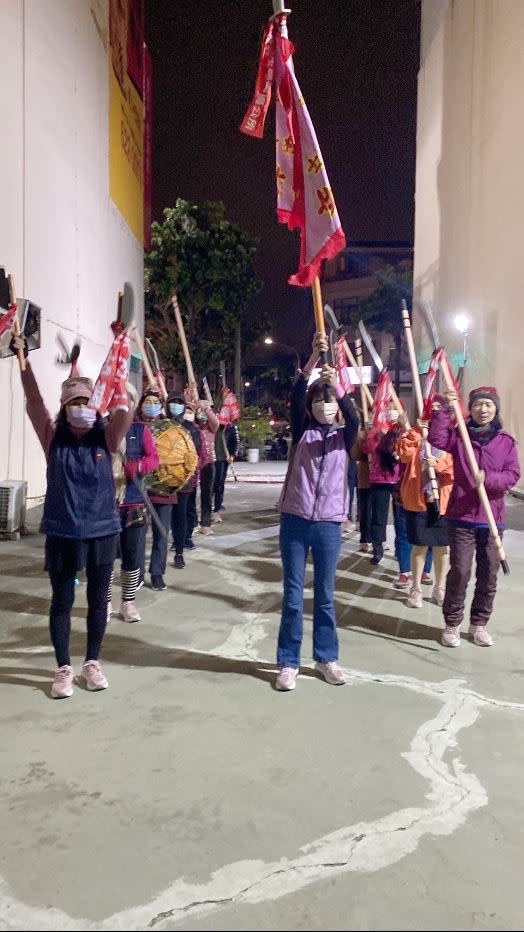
point(7, 319)
point(230, 410)
point(429, 384)
point(342, 363)
point(304, 197)
point(110, 390)
point(382, 401)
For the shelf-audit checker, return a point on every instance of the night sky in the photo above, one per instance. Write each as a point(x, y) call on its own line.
point(356, 62)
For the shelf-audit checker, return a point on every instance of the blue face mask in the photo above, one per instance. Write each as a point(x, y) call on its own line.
point(152, 410)
point(176, 409)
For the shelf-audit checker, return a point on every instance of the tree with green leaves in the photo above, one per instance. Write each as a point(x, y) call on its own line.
point(382, 309)
point(208, 261)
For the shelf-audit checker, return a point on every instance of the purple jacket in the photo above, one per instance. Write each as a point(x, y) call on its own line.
point(316, 486)
point(498, 458)
point(378, 475)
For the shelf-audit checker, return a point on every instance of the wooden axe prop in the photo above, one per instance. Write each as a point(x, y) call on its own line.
point(155, 366)
point(380, 366)
point(364, 390)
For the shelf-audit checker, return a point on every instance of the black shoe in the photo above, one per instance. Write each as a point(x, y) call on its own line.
point(140, 583)
point(190, 545)
point(173, 547)
point(157, 582)
point(179, 561)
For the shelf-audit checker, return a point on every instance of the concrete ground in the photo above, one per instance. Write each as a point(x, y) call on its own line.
point(191, 795)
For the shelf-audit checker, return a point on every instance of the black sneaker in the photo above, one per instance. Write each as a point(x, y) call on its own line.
point(190, 545)
point(140, 583)
point(179, 561)
point(157, 582)
point(173, 546)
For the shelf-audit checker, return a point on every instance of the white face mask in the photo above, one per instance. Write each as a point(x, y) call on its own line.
point(189, 415)
point(393, 415)
point(80, 417)
point(324, 411)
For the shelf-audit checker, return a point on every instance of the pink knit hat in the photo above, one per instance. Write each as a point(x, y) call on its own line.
point(76, 387)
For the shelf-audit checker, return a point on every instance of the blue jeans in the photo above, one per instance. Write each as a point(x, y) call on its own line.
point(403, 547)
point(297, 536)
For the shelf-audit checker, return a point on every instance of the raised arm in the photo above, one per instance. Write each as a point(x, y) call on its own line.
point(38, 414)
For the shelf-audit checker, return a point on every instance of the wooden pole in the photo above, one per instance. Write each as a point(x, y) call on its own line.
point(147, 367)
point(415, 379)
point(358, 366)
point(473, 465)
point(16, 325)
point(320, 326)
point(193, 389)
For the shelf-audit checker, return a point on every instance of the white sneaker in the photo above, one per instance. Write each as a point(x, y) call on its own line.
point(206, 531)
point(286, 679)
point(481, 637)
point(95, 679)
point(62, 687)
point(451, 636)
point(109, 611)
point(216, 518)
point(331, 673)
point(129, 611)
point(415, 598)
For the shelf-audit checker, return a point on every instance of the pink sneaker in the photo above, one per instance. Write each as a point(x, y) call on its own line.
point(286, 679)
point(426, 579)
point(94, 677)
point(402, 582)
point(480, 635)
point(62, 687)
point(415, 598)
point(451, 636)
point(331, 673)
point(438, 595)
point(129, 611)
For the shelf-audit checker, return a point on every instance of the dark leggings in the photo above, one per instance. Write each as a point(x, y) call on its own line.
point(63, 586)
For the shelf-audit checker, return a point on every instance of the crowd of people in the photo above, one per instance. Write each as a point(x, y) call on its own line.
point(109, 478)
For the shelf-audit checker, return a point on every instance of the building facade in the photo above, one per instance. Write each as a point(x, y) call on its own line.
point(469, 192)
point(67, 245)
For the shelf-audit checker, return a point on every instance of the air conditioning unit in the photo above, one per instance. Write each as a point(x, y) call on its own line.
point(13, 501)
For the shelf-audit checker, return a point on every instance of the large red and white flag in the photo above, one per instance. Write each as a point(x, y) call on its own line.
point(7, 319)
point(342, 363)
point(110, 391)
point(304, 197)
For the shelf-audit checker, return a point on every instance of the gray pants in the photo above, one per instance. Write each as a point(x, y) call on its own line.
point(464, 543)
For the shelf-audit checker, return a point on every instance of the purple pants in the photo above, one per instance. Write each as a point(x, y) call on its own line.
point(464, 543)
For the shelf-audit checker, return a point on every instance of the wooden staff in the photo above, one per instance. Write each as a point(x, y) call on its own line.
point(473, 465)
point(415, 378)
point(320, 325)
point(363, 395)
point(193, 389)
point(16, 325)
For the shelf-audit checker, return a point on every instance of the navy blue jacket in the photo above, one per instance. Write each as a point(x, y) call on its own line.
point(80, 498)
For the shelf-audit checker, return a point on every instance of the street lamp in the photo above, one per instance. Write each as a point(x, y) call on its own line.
point(269, 341)
point(247, 384)
point(462, 323)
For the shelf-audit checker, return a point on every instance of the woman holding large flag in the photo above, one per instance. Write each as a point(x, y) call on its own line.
point(80, 519)
point(313, 505)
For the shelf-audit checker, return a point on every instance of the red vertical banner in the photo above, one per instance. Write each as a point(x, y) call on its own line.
point(147, 96)
point(135, 42)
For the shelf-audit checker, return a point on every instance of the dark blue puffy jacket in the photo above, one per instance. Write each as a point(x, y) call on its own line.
point(80, 499)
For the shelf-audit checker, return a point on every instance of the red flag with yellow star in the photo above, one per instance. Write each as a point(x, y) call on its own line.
point(304, 197)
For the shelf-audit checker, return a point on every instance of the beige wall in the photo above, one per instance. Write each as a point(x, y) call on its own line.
point(66, 244)
point(469, 235)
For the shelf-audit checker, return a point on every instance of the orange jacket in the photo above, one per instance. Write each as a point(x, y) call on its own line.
point(361, 460)
point(411, 487)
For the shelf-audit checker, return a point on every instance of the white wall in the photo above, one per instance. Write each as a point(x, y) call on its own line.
point(469, 235)
point(60, 235)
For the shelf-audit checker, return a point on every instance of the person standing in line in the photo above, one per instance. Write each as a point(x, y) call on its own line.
point(181, 529)
point(469, 535)
point(313, 505)
point(207, 422)
point(363, 489)
point(226, 448)
point(151, 412)
point(137, 458)
point(384, 473)
point(426, 532)
point(80, 519)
